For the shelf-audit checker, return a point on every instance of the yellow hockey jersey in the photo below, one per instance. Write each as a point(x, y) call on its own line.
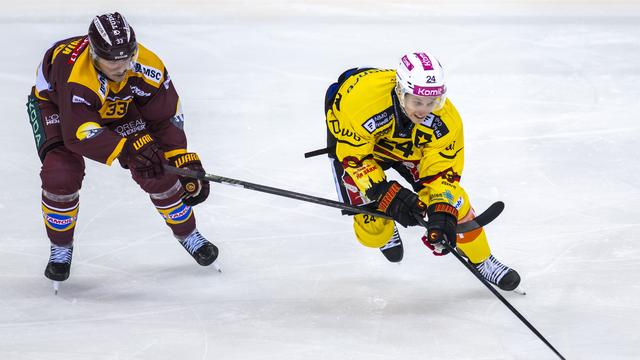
point(371, 130)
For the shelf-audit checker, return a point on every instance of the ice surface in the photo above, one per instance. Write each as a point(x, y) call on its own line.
point(550, 97)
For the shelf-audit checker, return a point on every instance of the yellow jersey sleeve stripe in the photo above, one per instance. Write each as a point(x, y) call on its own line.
point(173, 153)
point(116, 152)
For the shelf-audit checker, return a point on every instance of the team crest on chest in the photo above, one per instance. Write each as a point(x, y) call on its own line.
point(422, 138)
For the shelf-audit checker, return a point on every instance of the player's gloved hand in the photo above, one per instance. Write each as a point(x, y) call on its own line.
point(196, 191)
point(441, 228)
point(401, 204)
point(142, 155)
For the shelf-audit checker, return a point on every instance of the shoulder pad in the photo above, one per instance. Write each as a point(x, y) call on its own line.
point(149, 67)
point(84, 73)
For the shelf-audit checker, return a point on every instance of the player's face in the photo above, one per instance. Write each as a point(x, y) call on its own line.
point(115, 70)
point(418, 107)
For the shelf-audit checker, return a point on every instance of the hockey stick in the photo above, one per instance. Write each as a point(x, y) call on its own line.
point(481, 220)
point(495, 292)
point(319, 152)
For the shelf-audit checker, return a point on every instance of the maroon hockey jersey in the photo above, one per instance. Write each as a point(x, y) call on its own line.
point(96, 114)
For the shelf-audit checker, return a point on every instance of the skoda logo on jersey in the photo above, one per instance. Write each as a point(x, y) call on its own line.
point(88, 130)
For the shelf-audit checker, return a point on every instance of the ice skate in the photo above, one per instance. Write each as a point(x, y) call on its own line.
point(204, 252)
point(500, 275)
point(59, 266)
point(393, 250)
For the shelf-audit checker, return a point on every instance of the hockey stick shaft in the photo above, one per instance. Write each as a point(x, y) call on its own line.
point(318, 152)
point(505, 302)
point(481, 220)
point(271, 190)
point(495, 292)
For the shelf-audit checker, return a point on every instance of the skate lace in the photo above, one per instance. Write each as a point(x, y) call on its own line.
point(394, 241)
point(193, 242)
point(60, 254)
point(492, 269)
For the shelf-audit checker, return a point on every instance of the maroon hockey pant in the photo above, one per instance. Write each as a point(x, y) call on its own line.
point(62, 174)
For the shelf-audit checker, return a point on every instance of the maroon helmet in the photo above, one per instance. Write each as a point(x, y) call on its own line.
point(111, 37)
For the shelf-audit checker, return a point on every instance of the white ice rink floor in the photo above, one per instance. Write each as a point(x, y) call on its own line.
point(550, 98)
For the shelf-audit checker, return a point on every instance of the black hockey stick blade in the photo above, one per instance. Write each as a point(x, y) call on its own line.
point(483, 219)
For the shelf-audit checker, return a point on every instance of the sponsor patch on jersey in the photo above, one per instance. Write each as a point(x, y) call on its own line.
point(178, 119)
point(340, 133)
point(450, 151)
point(136, 90)
point(79, 100)
point(148, 72)
point(35, 118)
point(103, 85)
point(435, 123)
point(459, 203)
point(131, 127)
point(449, 196)
point(77, 50)
point(52, 119)
point(88, 130)
point(378, 120)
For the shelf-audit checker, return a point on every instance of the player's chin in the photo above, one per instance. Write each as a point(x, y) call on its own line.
point(418, 119)
point(117, 78)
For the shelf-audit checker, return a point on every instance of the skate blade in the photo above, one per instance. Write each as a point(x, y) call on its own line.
point(519, 291)
point(215, 266)
point(56, 287)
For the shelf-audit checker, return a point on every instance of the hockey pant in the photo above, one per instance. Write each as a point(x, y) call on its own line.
point(375, 232)
point(62, 174)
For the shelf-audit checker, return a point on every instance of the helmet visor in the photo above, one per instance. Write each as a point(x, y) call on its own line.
point(424, 103)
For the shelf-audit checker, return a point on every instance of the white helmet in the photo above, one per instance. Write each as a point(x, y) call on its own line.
point(420, 74)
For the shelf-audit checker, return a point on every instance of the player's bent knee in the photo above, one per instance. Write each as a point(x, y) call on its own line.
point(372, 231)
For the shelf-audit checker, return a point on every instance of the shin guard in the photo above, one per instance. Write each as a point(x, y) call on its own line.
point(60, 213)
point(178, 215)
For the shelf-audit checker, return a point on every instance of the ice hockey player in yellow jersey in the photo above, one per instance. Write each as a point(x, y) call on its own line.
point(402, 119)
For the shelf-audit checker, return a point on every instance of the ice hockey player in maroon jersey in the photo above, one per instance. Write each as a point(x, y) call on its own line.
point(105, 97)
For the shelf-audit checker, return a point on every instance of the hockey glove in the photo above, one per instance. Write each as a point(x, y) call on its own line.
point(142, 155)
point(401, 204)
point(196, 191)
point(441, 228)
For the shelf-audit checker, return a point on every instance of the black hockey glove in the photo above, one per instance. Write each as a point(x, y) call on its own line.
point(441, 228)
point(401, 204)
point(142, 155)
point(196, 191)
